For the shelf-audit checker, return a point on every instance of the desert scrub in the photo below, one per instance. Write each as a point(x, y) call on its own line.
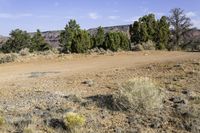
point(190, 115)
point(139, 94)
point(6, 58)
point(74, 121)
point(24, 52)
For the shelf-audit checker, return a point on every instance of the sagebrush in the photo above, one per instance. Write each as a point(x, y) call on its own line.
point(139, 94)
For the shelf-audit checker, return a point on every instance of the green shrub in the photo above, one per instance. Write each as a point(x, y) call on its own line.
point(139, 94)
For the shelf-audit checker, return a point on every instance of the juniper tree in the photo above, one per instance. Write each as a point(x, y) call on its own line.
point(38, 42)
point(17, 41)
point(73, 39)
point(67, 36)
point(100, 37)
point(162, 33)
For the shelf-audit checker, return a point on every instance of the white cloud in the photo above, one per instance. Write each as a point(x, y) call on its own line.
point(94, 15)
point(14, 16)
point(113, 17)
point(196, 23)
point(191, 14)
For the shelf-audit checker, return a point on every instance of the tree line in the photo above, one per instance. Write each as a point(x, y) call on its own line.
point(19, 40)
point(165, 33)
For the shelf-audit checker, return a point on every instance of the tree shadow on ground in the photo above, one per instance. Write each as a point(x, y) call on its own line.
point(104, 101)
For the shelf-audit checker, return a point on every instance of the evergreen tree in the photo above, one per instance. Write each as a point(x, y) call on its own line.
point(100, 37)
point(116, 40)
point(38, 42)
point(147, 28)
point(66, 37)
point(17, 41)
point(81, 42)
point(163, 33)
point(124, 41)
point(73, 39)
point(135, 32)
point(151, 25)
point(143, 32)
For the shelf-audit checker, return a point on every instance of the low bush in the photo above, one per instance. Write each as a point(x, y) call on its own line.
point(74, 121)
point(6, 58)
point(138, 47)
point(139, 94)
point(24, 52)
point(149, 45)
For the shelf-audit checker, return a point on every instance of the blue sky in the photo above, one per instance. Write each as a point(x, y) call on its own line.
point(54, 14)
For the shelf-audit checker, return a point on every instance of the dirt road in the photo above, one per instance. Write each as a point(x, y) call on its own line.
point(17, 71)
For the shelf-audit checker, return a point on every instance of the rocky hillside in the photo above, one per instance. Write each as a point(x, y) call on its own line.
point(52, 37)
point(122, 28)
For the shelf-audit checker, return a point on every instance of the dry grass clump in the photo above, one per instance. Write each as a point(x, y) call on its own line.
point(6, 58)
point(24, 52)
point(139, 94)
point(194, 119)
point(138, 47)
point(74, 121)
point(191, 118)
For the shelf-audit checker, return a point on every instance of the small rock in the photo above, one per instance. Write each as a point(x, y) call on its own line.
point(178, 65)
point(175, 79)
point(88, 82)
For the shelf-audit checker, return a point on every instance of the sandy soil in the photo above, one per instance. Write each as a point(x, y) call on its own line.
point(21, 71)
point(40, 84)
